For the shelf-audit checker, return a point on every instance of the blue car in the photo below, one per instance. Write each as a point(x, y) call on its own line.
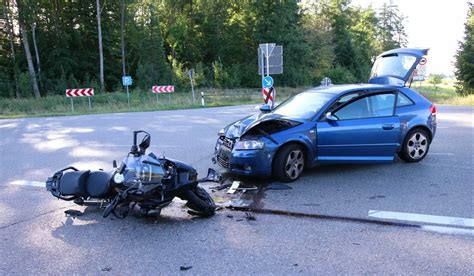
point(354, 123)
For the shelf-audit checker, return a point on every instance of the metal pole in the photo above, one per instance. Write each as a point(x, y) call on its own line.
point(267, 57)
point(169, 98)
point(90, 106)
point(128, 97)
point(72, 105)
point(156, 97)
point(263, 70)
point(192, 89)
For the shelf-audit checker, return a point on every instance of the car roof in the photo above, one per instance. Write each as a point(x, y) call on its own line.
point(343, 88)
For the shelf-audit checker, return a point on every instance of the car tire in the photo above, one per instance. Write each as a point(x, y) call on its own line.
point(289, 163)
point(415, 146)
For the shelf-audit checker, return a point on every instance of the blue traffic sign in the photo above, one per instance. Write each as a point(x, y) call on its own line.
point(267, 82)
point(127, 80)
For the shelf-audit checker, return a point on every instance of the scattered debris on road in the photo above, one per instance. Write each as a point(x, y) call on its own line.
point(234, 187)
point(107, 269)
point(249, 216)
point(184, 268)
point(73, 213)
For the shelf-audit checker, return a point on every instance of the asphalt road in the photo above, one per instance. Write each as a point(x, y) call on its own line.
point(36, 237)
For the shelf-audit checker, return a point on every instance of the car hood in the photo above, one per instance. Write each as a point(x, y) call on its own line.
point(260, 121)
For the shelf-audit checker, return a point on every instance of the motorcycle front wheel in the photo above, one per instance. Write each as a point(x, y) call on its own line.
point(200, 201)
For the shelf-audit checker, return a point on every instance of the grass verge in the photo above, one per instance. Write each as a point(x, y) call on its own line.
point(59, 105)
point(444, 94)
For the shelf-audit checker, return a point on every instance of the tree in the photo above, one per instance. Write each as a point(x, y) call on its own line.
point(465, 57)
point(26, 46)
point(8, 24)
point(435, 79)
point(101, 52)
point(391, 29)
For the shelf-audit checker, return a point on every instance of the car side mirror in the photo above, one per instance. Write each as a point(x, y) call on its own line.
point(265, 108)
point(330, 117)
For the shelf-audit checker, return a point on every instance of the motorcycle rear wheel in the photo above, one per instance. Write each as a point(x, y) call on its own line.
point(200, 201)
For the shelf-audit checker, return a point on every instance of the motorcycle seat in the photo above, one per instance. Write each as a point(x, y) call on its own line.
point(73, 183)
point(98, 184)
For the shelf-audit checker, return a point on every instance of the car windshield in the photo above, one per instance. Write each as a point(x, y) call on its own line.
point(396, 65)
point(304, 105)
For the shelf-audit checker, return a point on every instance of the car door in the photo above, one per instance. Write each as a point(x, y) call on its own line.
point(363, 129)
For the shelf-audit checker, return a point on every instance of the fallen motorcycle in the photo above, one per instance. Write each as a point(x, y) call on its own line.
point(142, 181)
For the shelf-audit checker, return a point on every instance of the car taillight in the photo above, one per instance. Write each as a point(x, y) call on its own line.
point(433, 109)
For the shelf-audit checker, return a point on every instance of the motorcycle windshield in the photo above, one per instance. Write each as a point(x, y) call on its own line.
point(143, 168)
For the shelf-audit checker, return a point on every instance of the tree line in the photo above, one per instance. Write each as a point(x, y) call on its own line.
point(465, 57)
point(49, 46)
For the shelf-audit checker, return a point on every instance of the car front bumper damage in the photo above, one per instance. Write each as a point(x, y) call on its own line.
point(256, 162)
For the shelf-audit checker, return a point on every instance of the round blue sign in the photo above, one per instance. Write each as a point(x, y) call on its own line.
point(267, 82)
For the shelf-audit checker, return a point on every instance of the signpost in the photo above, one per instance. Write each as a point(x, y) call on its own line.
point(191, 73)
point(270, 61)
point(80, 92)
point(127, 81)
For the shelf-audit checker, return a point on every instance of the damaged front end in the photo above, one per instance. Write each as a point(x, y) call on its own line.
point(247, 146)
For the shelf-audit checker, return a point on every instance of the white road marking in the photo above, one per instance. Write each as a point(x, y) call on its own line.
point(430, 219)
point(29, 183)
point(448, 230)
point(441, 153)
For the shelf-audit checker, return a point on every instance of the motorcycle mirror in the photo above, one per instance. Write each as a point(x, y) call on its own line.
point(114, 164)
point(145, 143)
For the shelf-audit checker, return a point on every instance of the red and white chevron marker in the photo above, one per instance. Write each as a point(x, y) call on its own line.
point(162, 89)
point(80, 92)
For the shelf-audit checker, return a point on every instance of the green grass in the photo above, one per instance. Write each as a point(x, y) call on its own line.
point(58, 105)
point(443, 94)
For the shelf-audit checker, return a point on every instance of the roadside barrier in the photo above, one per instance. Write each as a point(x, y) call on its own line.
point(80, 92)
point(159, 89)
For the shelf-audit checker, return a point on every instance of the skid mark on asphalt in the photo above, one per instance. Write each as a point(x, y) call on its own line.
point(34, 217)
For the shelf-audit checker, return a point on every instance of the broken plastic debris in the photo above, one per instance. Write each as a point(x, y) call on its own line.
point(73, 213)
point(233, 188)
point(183, 268)
point(249, 216)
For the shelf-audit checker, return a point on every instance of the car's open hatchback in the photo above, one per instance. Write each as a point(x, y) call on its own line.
point(396, 67)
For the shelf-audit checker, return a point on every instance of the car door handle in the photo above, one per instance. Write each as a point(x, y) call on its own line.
point(388, 126)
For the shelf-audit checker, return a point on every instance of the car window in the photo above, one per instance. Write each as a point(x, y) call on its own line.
point(343, 100)
point(396, 65)
point(378, 105)
point(403, 100)
point(304, 105)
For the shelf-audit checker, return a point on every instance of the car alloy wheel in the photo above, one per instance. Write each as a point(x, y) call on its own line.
point(417, 145)
point(294, 164)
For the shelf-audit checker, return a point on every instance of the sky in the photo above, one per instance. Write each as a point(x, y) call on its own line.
point(434, 24)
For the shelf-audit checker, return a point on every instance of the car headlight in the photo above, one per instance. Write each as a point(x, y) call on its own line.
point(221, 133)
point(249, 145)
